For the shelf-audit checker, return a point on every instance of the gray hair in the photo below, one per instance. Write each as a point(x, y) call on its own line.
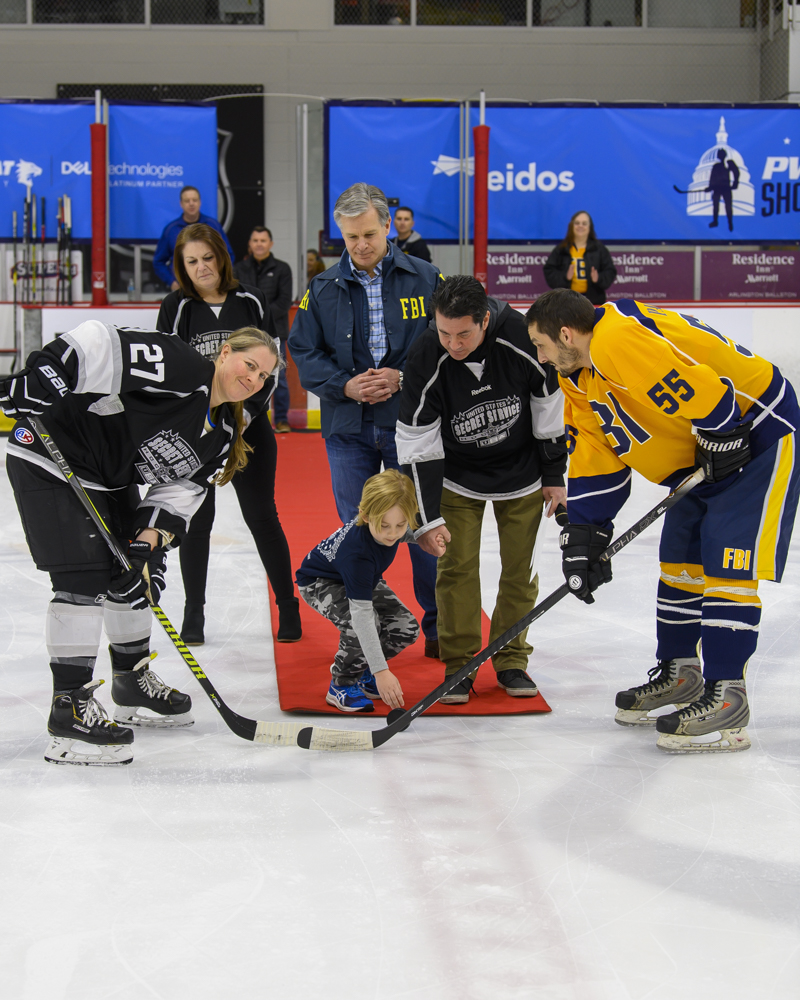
point(358, 199)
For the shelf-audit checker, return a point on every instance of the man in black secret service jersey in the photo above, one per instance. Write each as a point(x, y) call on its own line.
point(480, 419)
point(126, 408)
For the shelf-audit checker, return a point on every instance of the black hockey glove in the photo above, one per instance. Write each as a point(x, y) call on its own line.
point(581, 547)
point(34, 388)
point(142, 584)
point(719, 455)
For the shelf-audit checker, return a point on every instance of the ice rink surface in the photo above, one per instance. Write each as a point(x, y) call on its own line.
point(556, 857)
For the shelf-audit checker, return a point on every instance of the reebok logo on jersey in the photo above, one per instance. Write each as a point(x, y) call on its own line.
point(483, 388)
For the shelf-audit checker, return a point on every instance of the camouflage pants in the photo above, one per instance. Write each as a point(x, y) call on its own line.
point(397, 627)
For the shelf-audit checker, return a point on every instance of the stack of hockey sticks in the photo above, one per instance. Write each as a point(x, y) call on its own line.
point(318, 737)
point(64, 251)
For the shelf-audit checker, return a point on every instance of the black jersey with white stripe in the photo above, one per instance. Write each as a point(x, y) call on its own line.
point(196, 323)
point(490, 426)
point(136, 414)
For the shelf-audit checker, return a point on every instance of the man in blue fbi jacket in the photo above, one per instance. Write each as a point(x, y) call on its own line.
point(349, 340)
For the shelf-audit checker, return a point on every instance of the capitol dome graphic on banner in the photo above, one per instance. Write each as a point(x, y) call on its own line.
point(721, 170)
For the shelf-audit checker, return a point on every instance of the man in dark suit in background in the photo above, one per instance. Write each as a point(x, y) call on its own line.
point(274, 277)
point(407, 239)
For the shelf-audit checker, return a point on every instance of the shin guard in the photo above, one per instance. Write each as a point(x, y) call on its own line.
point(128, 632)
point(72, 635)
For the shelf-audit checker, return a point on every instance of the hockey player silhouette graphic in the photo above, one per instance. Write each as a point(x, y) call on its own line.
point(723, 182)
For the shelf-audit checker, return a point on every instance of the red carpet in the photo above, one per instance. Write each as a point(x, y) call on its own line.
point(308, 514)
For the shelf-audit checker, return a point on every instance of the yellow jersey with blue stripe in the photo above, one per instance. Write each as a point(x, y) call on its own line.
point(656, 376)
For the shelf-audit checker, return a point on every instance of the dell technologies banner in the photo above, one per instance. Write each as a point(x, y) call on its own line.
point(154, 150)
point(645, 174)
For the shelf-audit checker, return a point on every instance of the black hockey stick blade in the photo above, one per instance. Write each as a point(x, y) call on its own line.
point(679, 190)
point(316, 738)
point(274, 733)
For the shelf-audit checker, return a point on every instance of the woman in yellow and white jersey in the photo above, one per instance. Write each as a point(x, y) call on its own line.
point(581, 262)
point(654, 390)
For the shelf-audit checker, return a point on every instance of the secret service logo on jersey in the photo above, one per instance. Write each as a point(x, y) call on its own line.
point(210, 344)
point(487, 423)
point(167, 457)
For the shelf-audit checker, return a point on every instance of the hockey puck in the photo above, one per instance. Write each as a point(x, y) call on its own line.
point(394, 715)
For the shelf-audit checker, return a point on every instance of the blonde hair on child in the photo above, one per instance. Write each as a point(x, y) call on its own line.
point(388, 489)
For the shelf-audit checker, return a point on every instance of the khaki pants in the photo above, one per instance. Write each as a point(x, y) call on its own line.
point(458, 585)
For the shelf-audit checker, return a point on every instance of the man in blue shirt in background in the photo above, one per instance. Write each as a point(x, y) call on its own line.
point(165, 251)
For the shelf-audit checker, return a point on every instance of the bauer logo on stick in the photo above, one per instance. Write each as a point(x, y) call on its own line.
point(23, 435)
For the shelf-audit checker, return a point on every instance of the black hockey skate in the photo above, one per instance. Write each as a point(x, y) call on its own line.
point(714, 723)
point(82, 732)
point(673, 682)
point(144, 700)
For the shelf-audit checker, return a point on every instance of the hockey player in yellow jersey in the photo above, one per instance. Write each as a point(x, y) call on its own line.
point(660, 392)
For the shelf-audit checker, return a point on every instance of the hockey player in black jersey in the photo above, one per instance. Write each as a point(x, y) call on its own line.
point(480, 420)
point(127, 409)
point(208, 305)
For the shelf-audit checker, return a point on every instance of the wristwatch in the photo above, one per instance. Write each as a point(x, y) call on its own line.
point(399, 380)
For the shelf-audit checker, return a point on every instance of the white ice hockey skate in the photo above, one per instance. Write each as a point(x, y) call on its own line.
point(673, 683)
point(712, 724)
point(145, 701)
point(82, 732)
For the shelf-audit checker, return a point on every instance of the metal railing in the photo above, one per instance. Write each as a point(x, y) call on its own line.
point(563, 13)
point(147, 13)
point(765, 16)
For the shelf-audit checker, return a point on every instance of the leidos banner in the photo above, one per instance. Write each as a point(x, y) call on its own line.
point(644, 173)
point(411, 153)
point(154, 150)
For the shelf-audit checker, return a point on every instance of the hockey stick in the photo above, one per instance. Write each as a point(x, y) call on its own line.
point(68, 246)
point(26, 236)
point(273, 733)
point(33, 250)
point(43, 249)
point(315, 738)
point(14, 281)
point(680, 190)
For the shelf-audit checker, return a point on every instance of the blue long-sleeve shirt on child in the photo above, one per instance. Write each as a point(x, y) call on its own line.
point(352, 557)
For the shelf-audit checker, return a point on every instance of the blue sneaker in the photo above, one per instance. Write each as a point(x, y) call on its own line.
point(348, 699)
point(368, 686)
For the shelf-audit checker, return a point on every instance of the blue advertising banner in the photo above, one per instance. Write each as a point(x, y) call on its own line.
point(396, 149)
point(154, 150)
point(46, 146)
point(645, 174)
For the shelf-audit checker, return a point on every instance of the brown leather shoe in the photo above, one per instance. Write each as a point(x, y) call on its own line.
point(282, 427)
point(432, 649)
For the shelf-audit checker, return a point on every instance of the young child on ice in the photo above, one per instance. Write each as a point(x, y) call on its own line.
point(342, 579)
